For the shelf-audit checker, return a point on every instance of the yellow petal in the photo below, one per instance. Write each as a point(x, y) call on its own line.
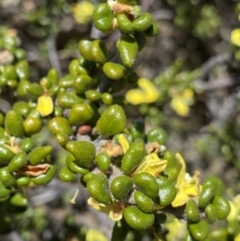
point(237, 238)
point(188, 94)
point(179, 105)
point(192, 185)
point(116, 213)
point(181, 176)
point(45, 105)
point(180, 199)
point(151, 164)
point(186, 185)
point(123, 142)
point(147, 93)
point(82, 11)
point(235, 37)
point(98, 206)
point(95, 235)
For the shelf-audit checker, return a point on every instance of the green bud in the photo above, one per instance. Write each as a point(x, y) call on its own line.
point(206, 196)
point(32, 125)
point(157, 135)
point(72, 165)
point(171, 160)
point(107, 98)
point(19, 200)
point(93, 95)
point(57, 111)
point(98, 188)
point(21, 107)
point(46, 177)
point(22, 87)
point(6, 177)
point(22, 69)
point(62, 139)
point(3, 82)
point(222, 207)
point(12, 83)
point(98, 51)
point(34, 89)
point(103, 161)
point(84, 47)
point(5, 155)
point(124, 24)
point(17, 162)
point(147, 184)
point(23, 181)
point(76, 69)
point(20, 54)
point(121, 186)
point(113, 71)
point(66, 175)
point(103, 17)
point(137, 219)
point(80, 114)
point(68, 99)
point(153, 30)
point(27, 145)
point(34, 113)
point(82, 83)
point(211, 213)
point(116, 114)
point(14, 123)
point(60, 125)
point(38, 154)
point(4, 192)
point(143, 22)
point(199, 230)
point(216, 182)
point(192, 211)
point(52, 91)
point(53, 76)
point(167, 191)
point(83, 151)
point(9, 72)
point(67, 81)
point(128, 48)
point(133, 157)
point(143, 202)
point(88, 176)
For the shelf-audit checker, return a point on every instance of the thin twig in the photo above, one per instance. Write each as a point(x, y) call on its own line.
point(53, 54)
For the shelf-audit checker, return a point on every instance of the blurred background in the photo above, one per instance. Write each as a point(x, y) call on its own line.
point(195, 64)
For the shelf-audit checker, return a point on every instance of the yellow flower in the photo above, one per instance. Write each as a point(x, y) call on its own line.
point(235, 37)
point(82, 11)
point(151, 164)
point(95, 235)
point(181, 103)
point(235, 209)
point(115, 210)
point(237, 238)
point(186, 185)
point(176, 228)
point(123, 142)
point(147, 93)
point(45, 105)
